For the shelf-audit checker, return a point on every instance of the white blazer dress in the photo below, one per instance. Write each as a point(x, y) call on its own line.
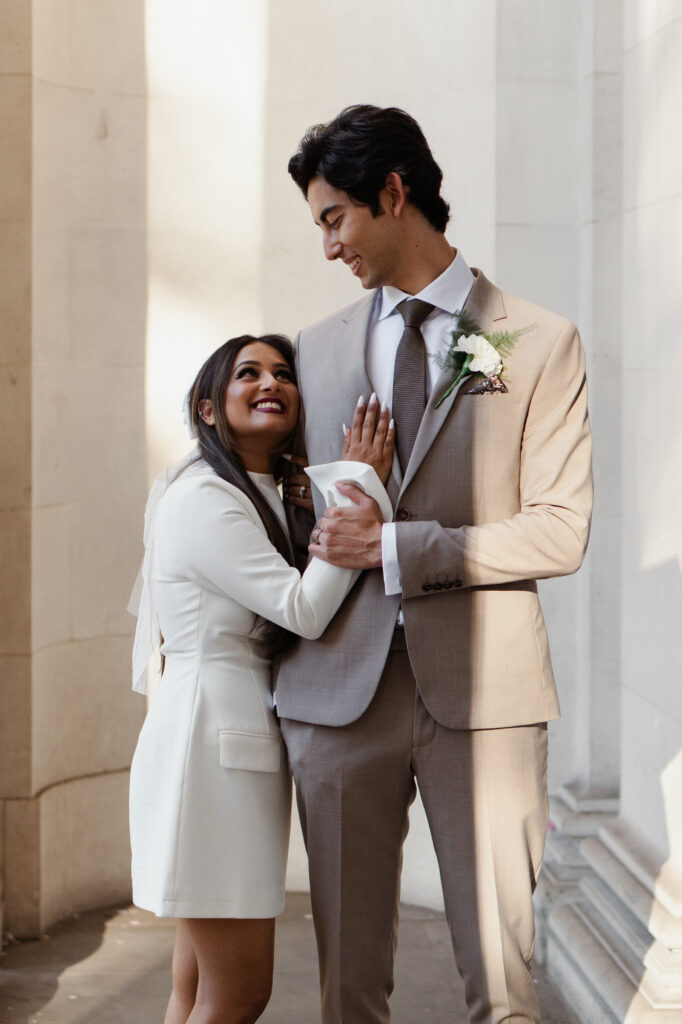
point(209, 789)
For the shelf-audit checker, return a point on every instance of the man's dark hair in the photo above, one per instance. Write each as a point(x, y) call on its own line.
point(362, 145)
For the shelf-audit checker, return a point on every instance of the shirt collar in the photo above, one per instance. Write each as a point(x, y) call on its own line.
point(449, 291)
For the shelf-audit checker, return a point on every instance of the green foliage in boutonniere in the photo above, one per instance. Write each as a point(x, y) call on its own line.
point(472, 351)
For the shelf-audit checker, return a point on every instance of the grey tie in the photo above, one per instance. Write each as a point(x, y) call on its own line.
point(409, 377)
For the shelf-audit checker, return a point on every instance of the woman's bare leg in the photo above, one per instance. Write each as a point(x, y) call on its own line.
point(185, 977)
point(235, 959)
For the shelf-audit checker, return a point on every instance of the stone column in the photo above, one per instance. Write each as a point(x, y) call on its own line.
point(618, 953)
point(73, 304)
point(15, 424)
point(587, 798)
point(558, 169)
point(131, 214)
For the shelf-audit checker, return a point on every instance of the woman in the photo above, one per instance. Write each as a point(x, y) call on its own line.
point(210, 789)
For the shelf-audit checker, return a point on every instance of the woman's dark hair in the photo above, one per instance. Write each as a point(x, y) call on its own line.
point(217, 447)
point(362, 145)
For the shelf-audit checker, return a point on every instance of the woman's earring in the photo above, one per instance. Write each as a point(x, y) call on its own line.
point(205, 410)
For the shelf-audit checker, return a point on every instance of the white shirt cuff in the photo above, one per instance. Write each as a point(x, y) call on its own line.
point(389, 558)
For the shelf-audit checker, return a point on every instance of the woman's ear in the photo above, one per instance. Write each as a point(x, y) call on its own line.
point(205, 408)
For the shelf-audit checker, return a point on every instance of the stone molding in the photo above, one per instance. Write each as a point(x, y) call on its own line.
point(571, 820)
point(617, 949)
point(65, 850)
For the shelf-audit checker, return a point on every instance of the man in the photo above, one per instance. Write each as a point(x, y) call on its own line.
point(437, 667)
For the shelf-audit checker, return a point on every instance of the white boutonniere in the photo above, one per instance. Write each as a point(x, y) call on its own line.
point(471, 351)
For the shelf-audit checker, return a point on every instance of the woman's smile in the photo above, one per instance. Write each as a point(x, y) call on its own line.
point(261, 404)
point(270, 405)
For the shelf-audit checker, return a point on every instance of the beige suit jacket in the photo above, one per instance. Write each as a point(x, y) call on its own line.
point(497, 494)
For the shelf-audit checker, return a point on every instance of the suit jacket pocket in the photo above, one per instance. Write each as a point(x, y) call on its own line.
point(250, 751)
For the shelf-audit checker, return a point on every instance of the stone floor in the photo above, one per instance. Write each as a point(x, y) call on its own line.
point(113, 967)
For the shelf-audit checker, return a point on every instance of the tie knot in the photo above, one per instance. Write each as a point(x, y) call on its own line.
point(414, 311)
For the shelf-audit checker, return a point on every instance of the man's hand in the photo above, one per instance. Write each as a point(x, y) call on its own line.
point(349, 537)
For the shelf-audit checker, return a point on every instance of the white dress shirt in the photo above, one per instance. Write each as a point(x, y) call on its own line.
point(447, 293)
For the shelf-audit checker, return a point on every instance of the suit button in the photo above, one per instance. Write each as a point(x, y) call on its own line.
point(458, 583)
point(426, 586)
point(437, 586)
point(402, 515)
point(447, 585)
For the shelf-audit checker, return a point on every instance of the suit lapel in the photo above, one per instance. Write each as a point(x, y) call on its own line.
point(485, 302)
point(485, 305)
point(349, 347)
point(429, 428)
point(333, 374)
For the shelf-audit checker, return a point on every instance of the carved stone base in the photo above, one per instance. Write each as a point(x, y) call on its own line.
point(66, 850)
point(564, 864)
point(616, 952)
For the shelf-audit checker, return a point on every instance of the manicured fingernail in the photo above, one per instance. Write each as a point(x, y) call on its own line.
point(373, 398)
point(384, 406)
point(345, 429)
point(361, 401)
point(391, 425)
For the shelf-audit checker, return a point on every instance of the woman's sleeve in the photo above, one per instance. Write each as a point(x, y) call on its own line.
point(230, 553)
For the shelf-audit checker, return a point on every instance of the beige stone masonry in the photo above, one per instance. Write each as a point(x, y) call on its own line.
point(73, 294)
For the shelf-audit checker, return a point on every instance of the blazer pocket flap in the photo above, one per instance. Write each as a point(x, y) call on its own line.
point(248, 751)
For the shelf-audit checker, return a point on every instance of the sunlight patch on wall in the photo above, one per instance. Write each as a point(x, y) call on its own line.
point(205, 67)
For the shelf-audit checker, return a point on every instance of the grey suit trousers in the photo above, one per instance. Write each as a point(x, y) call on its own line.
point(485, 796)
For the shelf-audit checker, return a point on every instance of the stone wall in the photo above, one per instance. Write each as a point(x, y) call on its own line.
point(615, 944)
point(206, 71)
point(131, 214)
point(15, 409)
point(73, 200)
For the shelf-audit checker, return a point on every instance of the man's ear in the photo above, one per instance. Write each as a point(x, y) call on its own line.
point(396, 192)
point(205, 408)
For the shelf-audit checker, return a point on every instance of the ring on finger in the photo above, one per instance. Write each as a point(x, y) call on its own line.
point(301, 491)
